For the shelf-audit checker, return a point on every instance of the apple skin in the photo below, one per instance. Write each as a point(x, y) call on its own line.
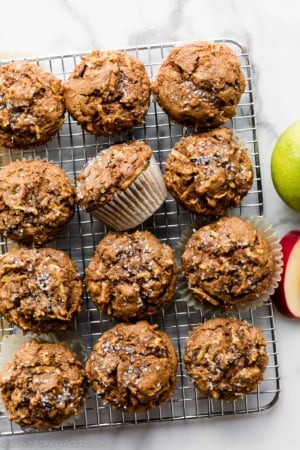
point(290, 243)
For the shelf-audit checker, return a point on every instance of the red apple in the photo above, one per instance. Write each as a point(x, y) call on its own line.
point(287, 295)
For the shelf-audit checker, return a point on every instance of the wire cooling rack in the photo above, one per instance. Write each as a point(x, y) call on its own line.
point(70, 149)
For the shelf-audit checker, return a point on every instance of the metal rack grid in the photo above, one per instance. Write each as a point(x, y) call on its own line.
point(70, 149)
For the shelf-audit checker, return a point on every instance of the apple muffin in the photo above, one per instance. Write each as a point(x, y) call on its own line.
point(229, 264)
point(200, 84)
point(108, 92)
point(132, 275)
point(37, 201)
point(209, 173)
point(122, 186)
point(226, 358)
point(40, 289)
point(132, 367)
point(43, 385)
point(31, 105)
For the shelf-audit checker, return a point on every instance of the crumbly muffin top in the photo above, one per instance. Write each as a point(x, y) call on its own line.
point(132, 275)
point(226, 358)
point(36, 201)
point(200, 84)
point(228, 263)
point(108, 92)
point(209, 173)
point(40, 289)
point(31, 105)
point(111, 171)
point(43, 385)
point(133, 367)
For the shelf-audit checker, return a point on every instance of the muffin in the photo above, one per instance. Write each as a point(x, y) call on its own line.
point(108, 92)
point(133, 367)
point(40, 289)
point(209, 173)
point(131, 276)
point(122, 186)
point(200, 84)
point(226, 358)
point(31, 105)
point(43, 385)
point(37, 201)
point(229, 264)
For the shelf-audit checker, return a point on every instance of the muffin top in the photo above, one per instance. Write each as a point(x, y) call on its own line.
point(228, 263)
point(110, 172)
point(31, 105)
point(37, 201)
point(108, 92)
point(43, 385)
point(40, 289)
point(226, 358)
point(200, 84)
point(132, 275)
point(133, 367)
point(209, 173)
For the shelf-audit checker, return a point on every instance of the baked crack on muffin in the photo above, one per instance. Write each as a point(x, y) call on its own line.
point(31, 105)
point(200, 84)
point(108, 92)
point(209, 173)
point(40, 289)
point(133, 367)
point(226, 358)
point(43, 385)
point(132, 275)
point(228, 263)
point(37, 201)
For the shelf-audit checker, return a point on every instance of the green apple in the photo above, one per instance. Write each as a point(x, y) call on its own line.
point(285, 166)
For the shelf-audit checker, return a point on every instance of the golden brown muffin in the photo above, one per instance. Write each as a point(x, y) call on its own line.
point(131, 276)
point(43, 385)
point(37, 201)
point(209, 173)
point(40, 289)
point(31, 105)
point(200, 84)
point(228, 263)
point(108, 92)
point(133, 367)
point(122, 186)
point(111, 171)
point(226, 358)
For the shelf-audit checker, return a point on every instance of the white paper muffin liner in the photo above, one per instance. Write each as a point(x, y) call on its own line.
point(262, 225)
point(137, 202)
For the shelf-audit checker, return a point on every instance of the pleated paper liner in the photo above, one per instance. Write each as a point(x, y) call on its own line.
point(137, 202)
point(262, 225)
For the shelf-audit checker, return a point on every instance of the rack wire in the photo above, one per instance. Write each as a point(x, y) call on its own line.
point(70, 149)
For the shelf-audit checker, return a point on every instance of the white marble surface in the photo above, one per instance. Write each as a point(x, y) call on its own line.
point(271, 31)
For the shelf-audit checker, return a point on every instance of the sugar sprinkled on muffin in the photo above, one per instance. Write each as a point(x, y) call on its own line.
point(31, 105)
point(200, 84)
point(226, 358)
point(229, 264)
point(133, 367)
point(37, 201)
point(132, 275)
point(209, 173)
point(108, 92)
point(43, 385)
point(40, 289)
